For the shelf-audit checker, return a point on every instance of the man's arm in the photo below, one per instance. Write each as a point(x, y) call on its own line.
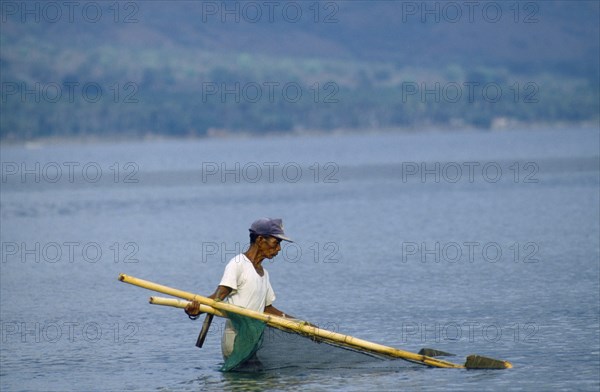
point(270, 309)
point(276, 312)
point(221, 293)
point(193, 309)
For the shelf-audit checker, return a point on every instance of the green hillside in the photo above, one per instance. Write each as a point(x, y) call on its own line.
point(192, 68)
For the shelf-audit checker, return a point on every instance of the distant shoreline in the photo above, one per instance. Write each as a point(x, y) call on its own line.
point(224, 134)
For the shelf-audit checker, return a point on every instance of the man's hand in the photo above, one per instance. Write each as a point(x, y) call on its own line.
point(193, 310)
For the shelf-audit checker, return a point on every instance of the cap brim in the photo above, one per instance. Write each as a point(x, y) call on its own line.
point(281, 237)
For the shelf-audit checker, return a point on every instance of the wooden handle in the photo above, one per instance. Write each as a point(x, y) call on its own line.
point(204, 330)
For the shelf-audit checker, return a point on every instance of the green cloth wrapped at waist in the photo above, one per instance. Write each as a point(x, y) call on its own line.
point(249, 335)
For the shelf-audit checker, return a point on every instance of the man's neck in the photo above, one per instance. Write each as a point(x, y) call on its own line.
point(255, 258)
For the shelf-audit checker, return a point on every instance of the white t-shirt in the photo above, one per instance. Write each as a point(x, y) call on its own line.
point(249, 289)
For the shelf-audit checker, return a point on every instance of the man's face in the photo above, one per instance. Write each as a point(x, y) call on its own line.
point(270, 246)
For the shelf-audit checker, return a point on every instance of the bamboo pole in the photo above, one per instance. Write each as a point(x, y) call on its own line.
point(176, 303)
point(293, 325)
point(180, 303)
point(473, 361)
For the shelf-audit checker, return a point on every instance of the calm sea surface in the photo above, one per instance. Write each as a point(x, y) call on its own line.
point(482, 243)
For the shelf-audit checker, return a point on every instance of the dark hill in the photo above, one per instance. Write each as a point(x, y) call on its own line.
point(166, 52)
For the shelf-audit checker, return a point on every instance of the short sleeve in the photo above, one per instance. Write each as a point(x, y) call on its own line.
point(231, 274)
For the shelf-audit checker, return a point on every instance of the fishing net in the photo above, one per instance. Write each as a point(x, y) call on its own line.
point(260, 347)
point(247, 340)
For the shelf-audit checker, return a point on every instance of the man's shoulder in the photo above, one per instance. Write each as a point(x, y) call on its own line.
point(240, 259)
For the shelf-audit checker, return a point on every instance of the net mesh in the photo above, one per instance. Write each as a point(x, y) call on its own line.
point(260, 347)
point(247, 340)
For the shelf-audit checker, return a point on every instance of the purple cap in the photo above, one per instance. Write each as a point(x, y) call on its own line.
point(269, 227)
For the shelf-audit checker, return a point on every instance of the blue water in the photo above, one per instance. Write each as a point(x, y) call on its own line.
point(467, 242)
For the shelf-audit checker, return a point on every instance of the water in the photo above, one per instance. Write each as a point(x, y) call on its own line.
point(482, 243)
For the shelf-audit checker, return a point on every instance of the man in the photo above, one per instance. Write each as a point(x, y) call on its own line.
point(245, 281)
